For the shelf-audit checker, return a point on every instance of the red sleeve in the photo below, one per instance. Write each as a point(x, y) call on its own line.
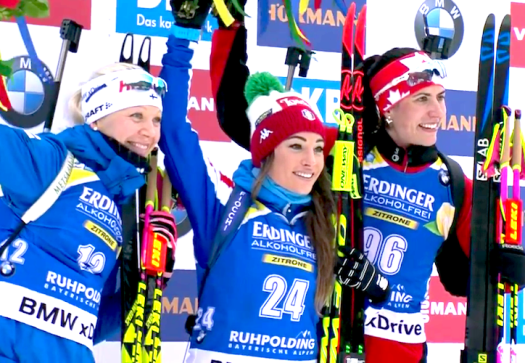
point(221, 45)
point(464, 219)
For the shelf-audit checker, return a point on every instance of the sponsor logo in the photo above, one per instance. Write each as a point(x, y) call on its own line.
point(265, 133)
point(30, 94)
point(323, 26)
point(382, 322)
point(180, 305)
point(302, 344)
point(399, 298)
point(307, 114)
point(444, 19)
point(72, 289)
point(517, 35)
point(266, 237)
point(153, 18)
point(103, 209)
point(291, 101)
point(401, 198)
point(288, 262)
point(263, 116)
point(236, 205)
point(92, 91)
point(95, 110)
point(455, 308)
point(102, 234)
point(444, 175)
point(56, 316)
point(391, 217)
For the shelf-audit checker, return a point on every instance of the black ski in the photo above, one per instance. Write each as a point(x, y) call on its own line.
point(480, 334)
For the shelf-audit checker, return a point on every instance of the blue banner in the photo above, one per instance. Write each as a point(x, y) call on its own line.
point(153, 18)
point(323, 27)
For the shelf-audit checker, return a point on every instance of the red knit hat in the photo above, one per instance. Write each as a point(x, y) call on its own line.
point(275, 115)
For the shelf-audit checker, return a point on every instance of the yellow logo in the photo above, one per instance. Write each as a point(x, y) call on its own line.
point(102, 234)
point(289, 262)
point(392, 218)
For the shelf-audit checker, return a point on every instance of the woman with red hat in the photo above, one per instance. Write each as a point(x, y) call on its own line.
point(261, 300)
point(413, 213)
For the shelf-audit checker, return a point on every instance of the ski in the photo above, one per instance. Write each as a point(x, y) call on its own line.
point(343, 318)
point(143, 252)
point(482, 307)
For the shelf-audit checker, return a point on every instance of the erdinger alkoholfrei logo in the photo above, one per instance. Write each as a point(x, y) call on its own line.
point(30, 94)
point(443, 18)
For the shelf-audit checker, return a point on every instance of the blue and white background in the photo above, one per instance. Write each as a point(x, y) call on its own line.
point(389, 24)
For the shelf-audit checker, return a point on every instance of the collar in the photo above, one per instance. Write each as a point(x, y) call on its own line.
point(89, 147)
point(412, 159)
point(271, 195)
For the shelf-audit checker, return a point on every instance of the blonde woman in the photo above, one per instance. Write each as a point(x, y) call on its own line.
point(57, 277)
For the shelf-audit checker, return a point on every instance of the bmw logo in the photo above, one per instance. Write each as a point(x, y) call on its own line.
point(30, 94)
point(444, 19)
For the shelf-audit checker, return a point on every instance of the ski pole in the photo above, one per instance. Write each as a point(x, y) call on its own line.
point(514, 225)
point(70, 33)
point(502, 232)
point(155, 265)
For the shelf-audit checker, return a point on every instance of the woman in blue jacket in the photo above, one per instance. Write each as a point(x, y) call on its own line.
point(58, 276)
point(262, 298)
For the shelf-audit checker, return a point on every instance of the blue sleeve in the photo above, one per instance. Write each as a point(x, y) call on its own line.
point(197, 182)
point(109, 315)
point(29, 163)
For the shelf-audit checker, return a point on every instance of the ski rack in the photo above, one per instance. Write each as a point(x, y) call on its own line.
point(297, 57)
point(437, 46)
point(70, 33)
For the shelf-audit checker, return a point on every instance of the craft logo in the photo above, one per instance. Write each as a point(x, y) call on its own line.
point(30, 93)
point(517, 38)
point(444, 19)
point(153, 18)
point(323, 27)
point(77, 10)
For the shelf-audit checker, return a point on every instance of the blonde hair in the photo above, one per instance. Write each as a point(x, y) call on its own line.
point(74, 101)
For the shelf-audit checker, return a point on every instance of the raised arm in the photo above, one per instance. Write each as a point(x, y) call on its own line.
point(228, 72)
point(28, 164)
point(197, 182)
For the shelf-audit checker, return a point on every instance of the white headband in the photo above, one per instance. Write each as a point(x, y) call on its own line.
point(115, 91)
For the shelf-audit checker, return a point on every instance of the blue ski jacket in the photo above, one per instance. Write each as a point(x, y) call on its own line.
point(258, 303)
point(62, 295)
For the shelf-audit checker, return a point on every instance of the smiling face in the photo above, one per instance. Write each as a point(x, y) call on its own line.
point(416, 118)
point(137, 128)
point(298, 162)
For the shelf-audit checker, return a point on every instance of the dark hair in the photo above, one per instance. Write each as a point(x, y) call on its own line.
point(371, 66)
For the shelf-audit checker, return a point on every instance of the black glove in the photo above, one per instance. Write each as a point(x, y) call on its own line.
point(355, 270)
point(509, 261)
point(190, 13)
